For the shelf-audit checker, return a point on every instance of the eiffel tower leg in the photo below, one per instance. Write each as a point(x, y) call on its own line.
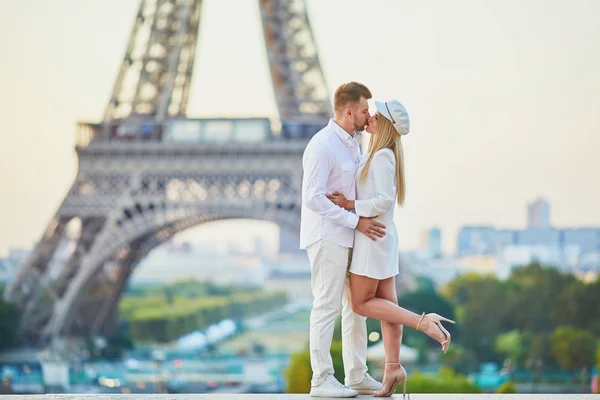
point(126, 258)
point(126, 267)
point(43, 278)
point(31, 289)
point(136, 251)
point(155, 76)
point(298, 80)
point(90, 262)
point(135, 234)
point(89, 230)
point(27, 279)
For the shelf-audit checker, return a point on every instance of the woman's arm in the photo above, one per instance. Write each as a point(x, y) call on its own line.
point(340, 200)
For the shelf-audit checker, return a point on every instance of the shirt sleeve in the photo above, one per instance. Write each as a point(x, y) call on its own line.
point(318, 164)
point(382, 174)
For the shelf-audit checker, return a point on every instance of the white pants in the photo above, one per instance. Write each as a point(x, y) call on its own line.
point(330, 287)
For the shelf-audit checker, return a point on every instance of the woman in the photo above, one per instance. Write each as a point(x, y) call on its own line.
point(374, 265)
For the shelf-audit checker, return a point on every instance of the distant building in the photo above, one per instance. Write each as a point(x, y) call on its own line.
point(18, 255)
point(162, 265)
point(434, 243)
point(585, 240)
point(260, 247)
point(576, 250)
point(289, 242)
point(236, 249)
point(588, 239)
point(442, 270)
point(519, 255)
point(538, 214)
point(569, 249)
point(548, 237)
point(11, 264)
point(504, 238)
point(8, 269)
point(476, 240)
point(290, 273)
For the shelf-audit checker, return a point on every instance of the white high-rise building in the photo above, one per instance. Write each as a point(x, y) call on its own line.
point(538, 214)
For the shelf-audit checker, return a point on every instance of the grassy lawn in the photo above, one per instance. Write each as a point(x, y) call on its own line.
point(287, 334)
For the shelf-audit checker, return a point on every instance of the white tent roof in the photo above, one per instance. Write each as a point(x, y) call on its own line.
point(407, 354)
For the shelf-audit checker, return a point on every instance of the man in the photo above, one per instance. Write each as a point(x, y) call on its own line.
point(330, 162)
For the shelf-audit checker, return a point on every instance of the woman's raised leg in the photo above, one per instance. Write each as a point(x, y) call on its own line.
point(366, 303)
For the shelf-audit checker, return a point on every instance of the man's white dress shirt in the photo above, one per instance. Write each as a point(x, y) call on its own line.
point(330, 162)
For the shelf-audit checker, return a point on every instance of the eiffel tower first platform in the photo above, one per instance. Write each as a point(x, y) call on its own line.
point(147, 172)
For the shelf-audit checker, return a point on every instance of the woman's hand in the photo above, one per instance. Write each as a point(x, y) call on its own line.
point(340, 200)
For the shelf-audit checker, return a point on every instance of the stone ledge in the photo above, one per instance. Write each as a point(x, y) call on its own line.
point(284, 396)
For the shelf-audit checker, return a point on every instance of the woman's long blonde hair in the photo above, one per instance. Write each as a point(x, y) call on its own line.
point(386, 137)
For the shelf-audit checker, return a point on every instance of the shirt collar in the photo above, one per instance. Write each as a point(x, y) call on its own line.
point(345, 136)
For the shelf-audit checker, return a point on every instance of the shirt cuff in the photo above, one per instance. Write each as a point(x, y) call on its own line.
point(363, 207)
point(351, 220)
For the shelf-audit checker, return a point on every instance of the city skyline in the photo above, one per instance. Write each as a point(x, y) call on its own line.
point(219, 239)
point(497, 119)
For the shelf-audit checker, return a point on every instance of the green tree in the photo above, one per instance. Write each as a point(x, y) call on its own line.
point(459, 358)
point(169, 295)
point(425, 284)
point(537, 294)
point(598, 358)
point(578, 305)
point(116, 344)
point(573, 348)
point(539, 349)
point(459, 290)
point(426, 300)
point(538, 355)
point(507, 387)
point(486, 307)
point(299, 372)
point(373, 325)
point(9, 325)
point(534, 301)
point(446, 381)
point(511, 345)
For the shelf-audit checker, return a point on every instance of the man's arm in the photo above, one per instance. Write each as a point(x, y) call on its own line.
point(318, 164)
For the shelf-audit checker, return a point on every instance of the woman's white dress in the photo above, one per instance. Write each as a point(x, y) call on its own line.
point(376, 197)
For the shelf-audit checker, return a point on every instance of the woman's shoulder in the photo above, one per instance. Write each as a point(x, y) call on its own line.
point(386, 153)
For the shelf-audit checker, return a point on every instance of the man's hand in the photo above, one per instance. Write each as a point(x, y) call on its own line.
point(370, 228)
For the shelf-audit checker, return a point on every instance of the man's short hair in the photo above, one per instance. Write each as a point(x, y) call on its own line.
point(350, 92)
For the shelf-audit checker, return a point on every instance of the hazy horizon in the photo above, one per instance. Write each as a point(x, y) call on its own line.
point(503, 98)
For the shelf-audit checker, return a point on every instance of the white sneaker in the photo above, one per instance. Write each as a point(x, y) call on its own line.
point(332, 388)
point(367, 386)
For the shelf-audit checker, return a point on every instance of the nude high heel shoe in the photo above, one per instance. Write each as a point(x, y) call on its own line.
point(437, 319)
point(400, 376)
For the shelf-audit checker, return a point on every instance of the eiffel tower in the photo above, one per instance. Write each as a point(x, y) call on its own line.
point(147, 172)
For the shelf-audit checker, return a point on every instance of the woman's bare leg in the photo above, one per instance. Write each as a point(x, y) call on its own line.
point(392, 333)
point(365, 303)
point(392, 336)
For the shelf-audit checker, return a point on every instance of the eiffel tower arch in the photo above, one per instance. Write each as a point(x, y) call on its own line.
point(147, 172)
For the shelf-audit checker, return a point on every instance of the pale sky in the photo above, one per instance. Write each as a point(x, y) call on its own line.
point(504, 99)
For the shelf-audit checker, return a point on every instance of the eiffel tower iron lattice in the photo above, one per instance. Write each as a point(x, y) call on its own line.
point(147, 172)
